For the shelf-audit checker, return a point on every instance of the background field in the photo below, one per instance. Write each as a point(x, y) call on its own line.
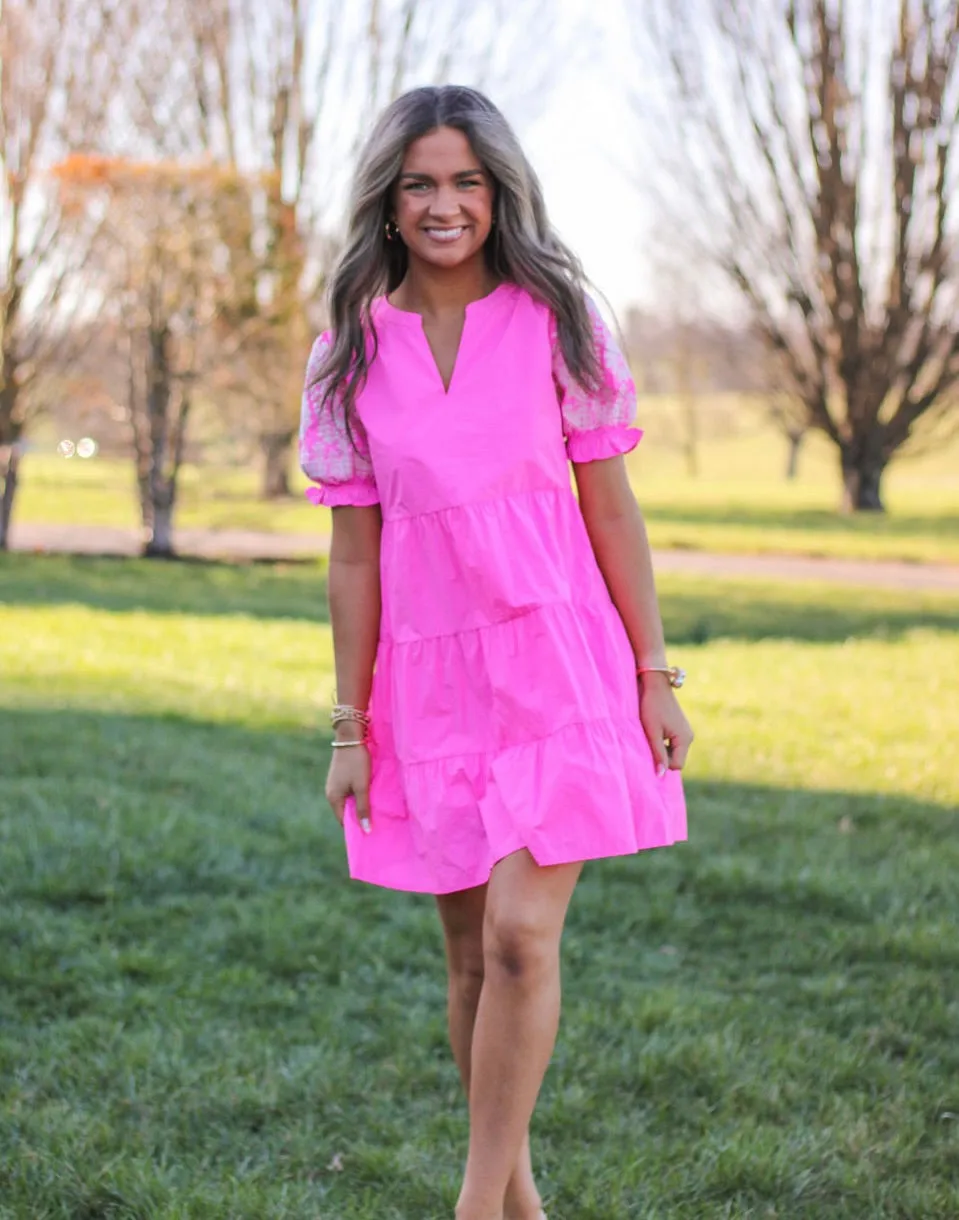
point(200, 1017)
point(739, 503)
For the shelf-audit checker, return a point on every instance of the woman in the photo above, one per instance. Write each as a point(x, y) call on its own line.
point(491, 732)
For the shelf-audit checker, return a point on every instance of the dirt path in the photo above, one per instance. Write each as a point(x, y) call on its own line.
point(249, 544)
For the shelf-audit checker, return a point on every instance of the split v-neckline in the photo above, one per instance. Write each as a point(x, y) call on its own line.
point(411, 319)
point(444, 382)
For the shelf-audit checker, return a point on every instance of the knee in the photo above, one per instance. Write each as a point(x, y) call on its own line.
point(467, 968)
point(518, 947)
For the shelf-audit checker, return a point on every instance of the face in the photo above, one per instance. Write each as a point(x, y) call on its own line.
point(443, 201)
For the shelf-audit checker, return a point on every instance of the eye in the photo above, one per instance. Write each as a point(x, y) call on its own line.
point(469, 182)
point(415, 186)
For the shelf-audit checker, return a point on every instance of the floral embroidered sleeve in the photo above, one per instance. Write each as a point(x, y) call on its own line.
point(596, 424)
point(342, 473)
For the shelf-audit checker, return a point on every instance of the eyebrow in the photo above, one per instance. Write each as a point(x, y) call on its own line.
point(462, 173)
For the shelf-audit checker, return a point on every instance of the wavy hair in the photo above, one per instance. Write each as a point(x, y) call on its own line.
point(522, 249)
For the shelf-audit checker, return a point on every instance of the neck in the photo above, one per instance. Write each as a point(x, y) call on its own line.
point(434, 291)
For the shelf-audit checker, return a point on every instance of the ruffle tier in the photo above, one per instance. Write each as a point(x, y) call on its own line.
point(585, 792)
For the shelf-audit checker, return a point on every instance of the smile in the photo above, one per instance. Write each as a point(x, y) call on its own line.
point(445, 235)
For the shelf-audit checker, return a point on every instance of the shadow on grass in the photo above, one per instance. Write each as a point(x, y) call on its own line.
point(187, 967)
point(695, 609)
point(292, 588)
point(195, 808)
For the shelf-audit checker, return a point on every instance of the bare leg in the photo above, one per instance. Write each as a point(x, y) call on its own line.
point(516, 1021)
point(462, 915)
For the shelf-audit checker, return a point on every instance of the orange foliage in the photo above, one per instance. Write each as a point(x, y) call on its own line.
point(91, 170)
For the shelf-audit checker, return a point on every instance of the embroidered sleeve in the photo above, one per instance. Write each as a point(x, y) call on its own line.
point(341, 471)
point(596, 424)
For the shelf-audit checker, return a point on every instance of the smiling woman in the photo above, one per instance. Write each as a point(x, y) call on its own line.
point(506, 709)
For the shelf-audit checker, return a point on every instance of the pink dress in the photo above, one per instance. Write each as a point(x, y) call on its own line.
point(505, 703)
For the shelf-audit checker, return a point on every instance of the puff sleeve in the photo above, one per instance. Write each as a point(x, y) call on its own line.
point(596, 424)
point(341, 471)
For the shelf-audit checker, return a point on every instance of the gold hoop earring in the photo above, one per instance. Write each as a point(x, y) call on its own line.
point(391, 230)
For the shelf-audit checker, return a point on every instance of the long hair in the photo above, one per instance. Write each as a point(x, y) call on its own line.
point(522, 249)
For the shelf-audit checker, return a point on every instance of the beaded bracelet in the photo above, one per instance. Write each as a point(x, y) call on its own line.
point(344, 713)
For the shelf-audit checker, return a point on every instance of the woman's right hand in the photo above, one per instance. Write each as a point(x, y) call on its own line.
point(349, 775)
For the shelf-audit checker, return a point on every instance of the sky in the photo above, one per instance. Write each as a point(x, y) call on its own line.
point(579, 145)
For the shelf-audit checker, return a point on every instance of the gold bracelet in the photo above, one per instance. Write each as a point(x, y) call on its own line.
point(345, 745)
point(345, 712)
point(676, 675)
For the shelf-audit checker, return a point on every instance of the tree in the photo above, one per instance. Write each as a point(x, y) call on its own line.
point(165, 271)
point(51, 77)
point(807, 151)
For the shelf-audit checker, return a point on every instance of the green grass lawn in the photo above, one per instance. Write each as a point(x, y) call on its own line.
point(201, 1017)
point(740, 503)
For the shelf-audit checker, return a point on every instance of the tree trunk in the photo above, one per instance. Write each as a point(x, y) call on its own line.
point(861, 483)
point(10, 473)
point(792, 461)
point(277, 455)
point(160, 540)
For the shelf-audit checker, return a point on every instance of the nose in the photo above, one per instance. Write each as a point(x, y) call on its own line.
point(445, 205)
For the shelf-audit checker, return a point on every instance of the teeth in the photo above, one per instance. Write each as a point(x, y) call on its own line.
point(445, 234)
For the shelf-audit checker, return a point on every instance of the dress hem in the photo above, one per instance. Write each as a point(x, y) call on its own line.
point(539, 860)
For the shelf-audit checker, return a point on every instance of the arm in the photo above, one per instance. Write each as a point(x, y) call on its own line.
point(354, 593)
point(345, 482)
point(618, 535)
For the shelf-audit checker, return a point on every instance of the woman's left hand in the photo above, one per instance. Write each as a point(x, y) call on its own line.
point(664, 722)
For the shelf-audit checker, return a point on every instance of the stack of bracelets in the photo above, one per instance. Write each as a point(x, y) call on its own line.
point(344, 713)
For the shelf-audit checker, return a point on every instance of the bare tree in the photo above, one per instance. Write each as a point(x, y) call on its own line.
point(807, 150)
point(51, 77)
point(165, 271)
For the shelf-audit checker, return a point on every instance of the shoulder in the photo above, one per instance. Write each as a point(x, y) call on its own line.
point(318, 354)
point(316, 383)
point(527, 318)
point(613, 363)
point(516, 297)
point(601, 331)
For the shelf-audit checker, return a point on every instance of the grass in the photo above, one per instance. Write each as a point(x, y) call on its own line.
point(739, 504)
point(200, 1017)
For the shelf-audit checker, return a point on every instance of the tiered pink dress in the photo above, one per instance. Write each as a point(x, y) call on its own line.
point(505, 702)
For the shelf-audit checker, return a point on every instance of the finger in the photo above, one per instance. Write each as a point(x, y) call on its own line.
point(660, 750)
point(680, 744)
point(362, 799)
point(338, 805)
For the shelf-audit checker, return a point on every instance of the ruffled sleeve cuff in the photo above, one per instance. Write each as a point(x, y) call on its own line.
point(599, 443)
point(357, 492)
